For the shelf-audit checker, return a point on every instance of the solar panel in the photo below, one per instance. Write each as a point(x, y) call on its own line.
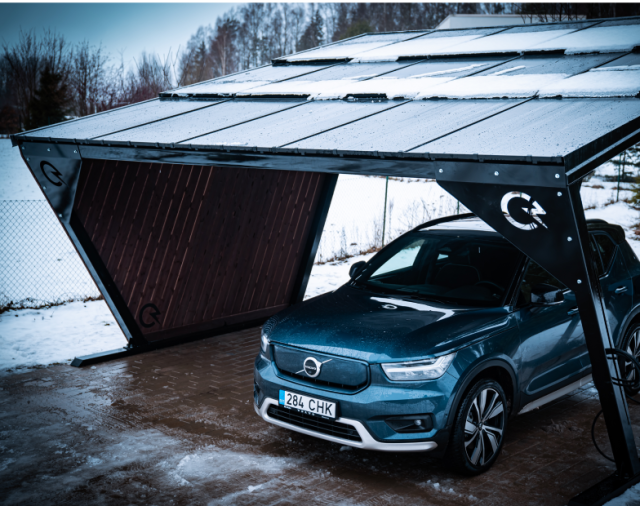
point(119, 119)
point(293, 124)
point(607, 37)
point(325, 80)
point(516, 39)
point(405, 127)
point(543, 128)
point(402, 93)
point(430, 44)
point(556, 64)
point(347, 49)
point(230, 85)
point(187, 126)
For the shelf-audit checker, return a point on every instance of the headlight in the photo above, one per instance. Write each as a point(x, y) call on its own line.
point(264, 342)
point(429, 369)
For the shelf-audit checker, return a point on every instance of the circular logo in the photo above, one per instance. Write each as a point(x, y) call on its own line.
point(522, 211)
point(52, 173)
point(312, 367)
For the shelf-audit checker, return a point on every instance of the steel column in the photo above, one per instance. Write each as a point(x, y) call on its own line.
point(542, 215)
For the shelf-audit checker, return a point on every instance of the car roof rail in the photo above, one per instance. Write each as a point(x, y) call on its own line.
point(444, 219)
point(615, 231)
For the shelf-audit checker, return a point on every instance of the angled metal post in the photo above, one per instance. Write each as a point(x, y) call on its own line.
point(535, 209)
point(598, 338)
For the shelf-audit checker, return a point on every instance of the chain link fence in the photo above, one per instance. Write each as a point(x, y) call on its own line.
point(38, 264)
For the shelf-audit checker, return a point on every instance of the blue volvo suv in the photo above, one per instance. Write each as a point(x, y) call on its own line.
point(436, 341)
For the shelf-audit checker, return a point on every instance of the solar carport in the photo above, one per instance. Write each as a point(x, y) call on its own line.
point(201, 211)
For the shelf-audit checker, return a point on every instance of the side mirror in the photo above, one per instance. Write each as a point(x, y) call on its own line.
point(356, 269)
point(543, 294)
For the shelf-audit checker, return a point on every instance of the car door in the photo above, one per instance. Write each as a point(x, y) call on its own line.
point(551, 337)
point(617, 286)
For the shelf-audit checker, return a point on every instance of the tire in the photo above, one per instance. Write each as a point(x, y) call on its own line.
point(479, 428)
point(631, 344)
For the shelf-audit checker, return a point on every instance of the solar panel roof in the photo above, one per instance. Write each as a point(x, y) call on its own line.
point(540, 92)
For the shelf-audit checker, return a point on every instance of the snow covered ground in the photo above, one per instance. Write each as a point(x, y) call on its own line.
point(31, 337)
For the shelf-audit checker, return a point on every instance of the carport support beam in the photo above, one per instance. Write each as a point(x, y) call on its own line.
point(545, 219)
point(598, 339)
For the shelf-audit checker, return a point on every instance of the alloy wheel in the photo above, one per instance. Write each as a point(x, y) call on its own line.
point(484, 426)
point(633, 348)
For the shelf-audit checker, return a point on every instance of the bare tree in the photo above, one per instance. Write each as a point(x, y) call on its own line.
point(88, 79)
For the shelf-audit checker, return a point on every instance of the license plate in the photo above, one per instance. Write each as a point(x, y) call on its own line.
point(307, 404)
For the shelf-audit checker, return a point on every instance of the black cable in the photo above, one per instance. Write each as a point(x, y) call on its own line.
point(623, 382)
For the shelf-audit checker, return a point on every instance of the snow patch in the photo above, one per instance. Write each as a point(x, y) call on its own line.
point(492, 86)
point(596, 84)
point(598, 39)
point(30, 337)
point(506, 71)
point(631, 497)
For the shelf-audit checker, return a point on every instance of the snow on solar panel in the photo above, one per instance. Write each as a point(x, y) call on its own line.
point(431, 44)
point(349, 48)
point(413, 80)
point(557, 64)
point(324, 81)
point(602, 82)
point(229, 85)
point(514, 39)
point(604, 38)
point(497, 86)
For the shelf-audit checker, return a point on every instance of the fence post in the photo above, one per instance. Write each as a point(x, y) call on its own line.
point(384, 214)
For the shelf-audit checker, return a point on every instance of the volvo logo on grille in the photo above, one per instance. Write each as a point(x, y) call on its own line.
point(312, 367)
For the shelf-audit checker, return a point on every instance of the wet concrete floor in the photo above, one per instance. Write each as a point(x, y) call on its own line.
point(177, 426)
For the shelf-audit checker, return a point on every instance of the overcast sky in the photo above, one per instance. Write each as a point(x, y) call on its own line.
point(152, 27)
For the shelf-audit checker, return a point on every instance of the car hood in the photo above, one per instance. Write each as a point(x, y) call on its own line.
point(378, 328)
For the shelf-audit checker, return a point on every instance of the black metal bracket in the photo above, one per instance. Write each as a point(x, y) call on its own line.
point(541, 215)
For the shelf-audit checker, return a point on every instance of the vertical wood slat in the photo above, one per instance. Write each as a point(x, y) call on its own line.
point(203, 244)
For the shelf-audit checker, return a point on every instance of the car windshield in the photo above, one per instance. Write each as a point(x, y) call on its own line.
point(462, 267)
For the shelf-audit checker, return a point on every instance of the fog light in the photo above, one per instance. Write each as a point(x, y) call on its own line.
point(410, 423)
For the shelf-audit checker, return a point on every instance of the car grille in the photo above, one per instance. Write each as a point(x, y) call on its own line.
point(337, 373)
point(314, 423)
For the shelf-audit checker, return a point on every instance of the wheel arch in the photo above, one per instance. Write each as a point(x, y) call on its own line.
point(498, 369)
point(632, 317)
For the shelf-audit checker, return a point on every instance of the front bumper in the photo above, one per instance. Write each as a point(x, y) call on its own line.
point(367, 443)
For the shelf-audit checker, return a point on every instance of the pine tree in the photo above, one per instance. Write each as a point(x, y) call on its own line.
point(358, 28)
point(50, 102)
point(314, 33)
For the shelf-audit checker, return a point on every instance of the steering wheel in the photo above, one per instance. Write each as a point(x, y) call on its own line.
point(492, 284)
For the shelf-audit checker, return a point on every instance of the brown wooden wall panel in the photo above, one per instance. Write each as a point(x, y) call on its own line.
point(206, 246)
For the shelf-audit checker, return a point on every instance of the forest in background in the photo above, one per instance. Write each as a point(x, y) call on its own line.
point(44, 79)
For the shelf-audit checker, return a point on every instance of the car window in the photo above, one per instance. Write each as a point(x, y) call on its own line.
point(404, 259)
point(607, 249)
point(445, 266)
point(533, 276)
point(595, 251)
